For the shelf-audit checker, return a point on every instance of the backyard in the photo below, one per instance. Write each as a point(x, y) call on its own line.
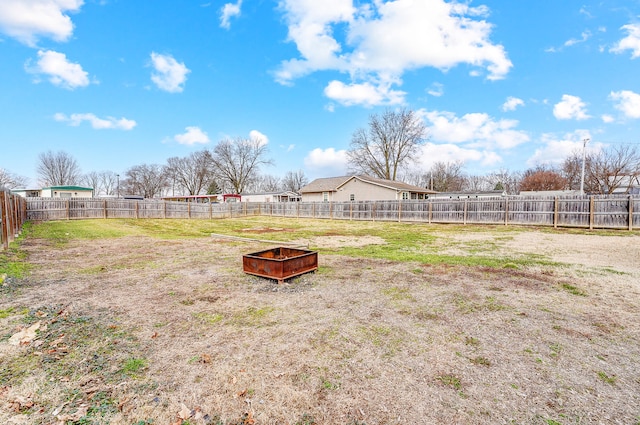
point(142, 322)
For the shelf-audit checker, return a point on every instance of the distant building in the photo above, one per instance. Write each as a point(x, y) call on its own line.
point(27, 193)
point(361, 188)
point(56, 192)
point(227, 197)
point(468, 195)
point(284, 196)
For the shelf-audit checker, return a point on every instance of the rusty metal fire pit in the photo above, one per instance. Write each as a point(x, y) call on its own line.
point(280, 263)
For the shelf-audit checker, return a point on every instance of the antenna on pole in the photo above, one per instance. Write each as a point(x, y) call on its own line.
point(584, 156)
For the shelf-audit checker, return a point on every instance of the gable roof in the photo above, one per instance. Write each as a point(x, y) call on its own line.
point(392, 184)
point(325, 184)
point(332, 184)
point(67, 188)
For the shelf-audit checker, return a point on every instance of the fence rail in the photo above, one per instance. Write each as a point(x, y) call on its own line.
point(13, 214)
point(610, 212)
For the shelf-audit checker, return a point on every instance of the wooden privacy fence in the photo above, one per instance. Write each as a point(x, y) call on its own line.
point(610, 212)
point(13, 214)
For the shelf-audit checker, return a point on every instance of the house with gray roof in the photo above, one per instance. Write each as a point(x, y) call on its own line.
point(360, 188)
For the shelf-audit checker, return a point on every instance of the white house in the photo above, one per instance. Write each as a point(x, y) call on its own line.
point(66, 192)
point(285, 196)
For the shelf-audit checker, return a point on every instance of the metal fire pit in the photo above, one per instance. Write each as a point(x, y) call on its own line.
point(280, 263)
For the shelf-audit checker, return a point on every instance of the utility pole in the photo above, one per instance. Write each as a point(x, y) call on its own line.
point(584, 157)
point(117, 186)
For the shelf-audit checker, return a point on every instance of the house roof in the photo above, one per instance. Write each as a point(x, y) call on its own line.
point(393, 184)
point(67, 188)
point(331, 184)
point(325, 184)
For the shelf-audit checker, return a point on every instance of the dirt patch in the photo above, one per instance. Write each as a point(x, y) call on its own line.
point(171, 331)
point(339, 241)
point(260, 230)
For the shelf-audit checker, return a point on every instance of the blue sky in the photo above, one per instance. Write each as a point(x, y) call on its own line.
point(500, 84)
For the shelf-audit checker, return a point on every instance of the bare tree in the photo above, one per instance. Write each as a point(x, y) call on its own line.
point(415, 178)
point(193, 173)
point(147, 180)
point(605, 171)
point(237, 161)
point(609, 169)
point(477, 183)
point(447, 176)
point(294, 181)
point(58, 169)
point(264, 183)
point(389, 143)
point(12, 181)
point(505, 180)
point(109, 182)
point(92, 180)
point(542, 178)
point(572, 170)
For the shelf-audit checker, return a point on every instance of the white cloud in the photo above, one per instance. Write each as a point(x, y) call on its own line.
point(627, 102)
point(97, 123)
point(229, 11)
point(365, 94)
point(607, 119)
point(586, 35)
point(475, 130)
point(436, 90)
point(327, 161)
point(630, 42)
point(512, 103)
point(27, 20)
point(169, 75)
point(192, 136)
point(570, 107)
point(448, 152)
point(59, 70)
point(256, 135)
point(385, 39)
point(556, 149)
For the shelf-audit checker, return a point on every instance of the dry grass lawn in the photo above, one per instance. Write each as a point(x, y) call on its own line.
point(143, 330)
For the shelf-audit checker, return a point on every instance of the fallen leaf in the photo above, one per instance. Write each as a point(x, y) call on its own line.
point(25, 336)
point(248, 419)
point(205, 358)
point(155, 335)
point(185, 412)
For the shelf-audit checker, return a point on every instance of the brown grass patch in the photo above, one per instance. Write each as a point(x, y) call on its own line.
point(176, 333)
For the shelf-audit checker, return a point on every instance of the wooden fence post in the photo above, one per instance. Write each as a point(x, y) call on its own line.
point(555, 212)
point(137, 213)
point(464, 212)
point(104, 205)
point(591, 212)
point(630, 212)
point(399, 210)
point(506, 211)
point(4, 220)
point(373, 211)
point(68, 210)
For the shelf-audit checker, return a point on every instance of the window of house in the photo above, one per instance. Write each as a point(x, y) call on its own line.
point(405, 195)
point(325, 196)
point(65, 195)
point(352, 197)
